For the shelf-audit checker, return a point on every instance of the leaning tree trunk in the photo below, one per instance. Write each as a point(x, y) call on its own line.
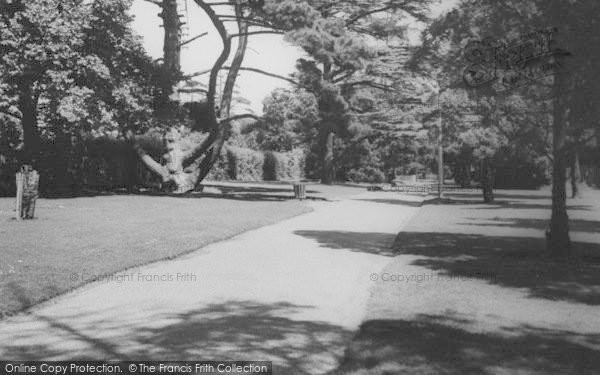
point(185, 169)
point(221, 125)
point(559, 243)
point(487, 175)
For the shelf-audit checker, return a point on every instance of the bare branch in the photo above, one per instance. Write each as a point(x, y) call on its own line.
point(259, 32)
point(200, 73)
point(192, 39)
point(250, 21)
point(255, 70)
point(239, 117)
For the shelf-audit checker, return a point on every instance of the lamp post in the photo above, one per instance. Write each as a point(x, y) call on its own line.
point(440, 152)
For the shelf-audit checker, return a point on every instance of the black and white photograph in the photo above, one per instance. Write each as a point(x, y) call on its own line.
point(302, 187)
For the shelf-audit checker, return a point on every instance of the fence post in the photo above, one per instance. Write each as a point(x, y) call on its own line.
point(19, 200)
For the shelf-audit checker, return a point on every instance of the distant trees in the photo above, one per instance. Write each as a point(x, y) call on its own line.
point(573, 106)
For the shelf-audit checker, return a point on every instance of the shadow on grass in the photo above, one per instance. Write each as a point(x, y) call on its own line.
point(235, 330)
point(255, 189)
point(242, 193)
point(517, 262)
point(399, 202)
point(529, 206)
point(372, 243)
point(577, 225)
point(253, 197)
point(435, 345)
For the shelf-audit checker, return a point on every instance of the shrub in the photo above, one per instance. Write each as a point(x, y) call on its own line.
point(220, 171)
point(366, 174)
point(245, 164)
point(286, 166)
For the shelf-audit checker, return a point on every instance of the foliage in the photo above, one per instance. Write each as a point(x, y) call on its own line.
point(366, 174)
point(283, 166)
point(70, 68)
point(245, 164)
point(288, 120)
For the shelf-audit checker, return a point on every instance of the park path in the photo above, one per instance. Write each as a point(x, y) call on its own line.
point(294, 293)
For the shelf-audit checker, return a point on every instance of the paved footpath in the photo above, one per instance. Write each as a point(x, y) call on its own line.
point(293, 293)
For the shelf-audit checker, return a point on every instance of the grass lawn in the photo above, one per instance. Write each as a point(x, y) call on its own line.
point(475, 293)
point(73, 239)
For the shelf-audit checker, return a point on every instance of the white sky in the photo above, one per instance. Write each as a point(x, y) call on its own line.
point(267, 52)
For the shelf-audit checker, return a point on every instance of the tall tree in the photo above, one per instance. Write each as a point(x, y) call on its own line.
point(51, 69)
point(186, 168)
point(344, 42)
point(571, 88)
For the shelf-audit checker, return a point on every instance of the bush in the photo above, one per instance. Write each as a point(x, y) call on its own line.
point(283, 166)
point(111, 163)
point(245, 164)
point(220, 171)
point(412, 168)
point(366, 174)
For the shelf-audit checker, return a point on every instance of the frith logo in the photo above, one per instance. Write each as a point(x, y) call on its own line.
point(509, 64)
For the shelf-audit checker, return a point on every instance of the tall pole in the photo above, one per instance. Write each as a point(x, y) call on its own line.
point(440, 152)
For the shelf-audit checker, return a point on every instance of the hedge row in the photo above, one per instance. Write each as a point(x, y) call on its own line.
point(244, 164)
point(107, 164)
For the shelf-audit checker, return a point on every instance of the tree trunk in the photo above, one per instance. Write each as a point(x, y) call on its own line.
point(574, 173)
point(327, 172)
point(171, 47)
point(559, 243)
point(185, 170)
point(31, 137)
point(222, 127)
point(487, 175)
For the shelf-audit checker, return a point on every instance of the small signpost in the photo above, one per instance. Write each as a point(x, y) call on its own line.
point(27, 192)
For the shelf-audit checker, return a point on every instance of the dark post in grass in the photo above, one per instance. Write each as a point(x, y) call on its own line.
point(27, 192)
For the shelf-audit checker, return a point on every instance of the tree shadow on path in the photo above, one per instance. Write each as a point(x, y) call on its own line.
point(230, 331)
point(364, 242)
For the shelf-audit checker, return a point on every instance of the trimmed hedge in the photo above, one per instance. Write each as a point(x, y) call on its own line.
point(245, 164)
point(108, 163)
point(284, 166)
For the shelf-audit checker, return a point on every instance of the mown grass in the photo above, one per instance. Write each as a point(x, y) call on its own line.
point(71, 240)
